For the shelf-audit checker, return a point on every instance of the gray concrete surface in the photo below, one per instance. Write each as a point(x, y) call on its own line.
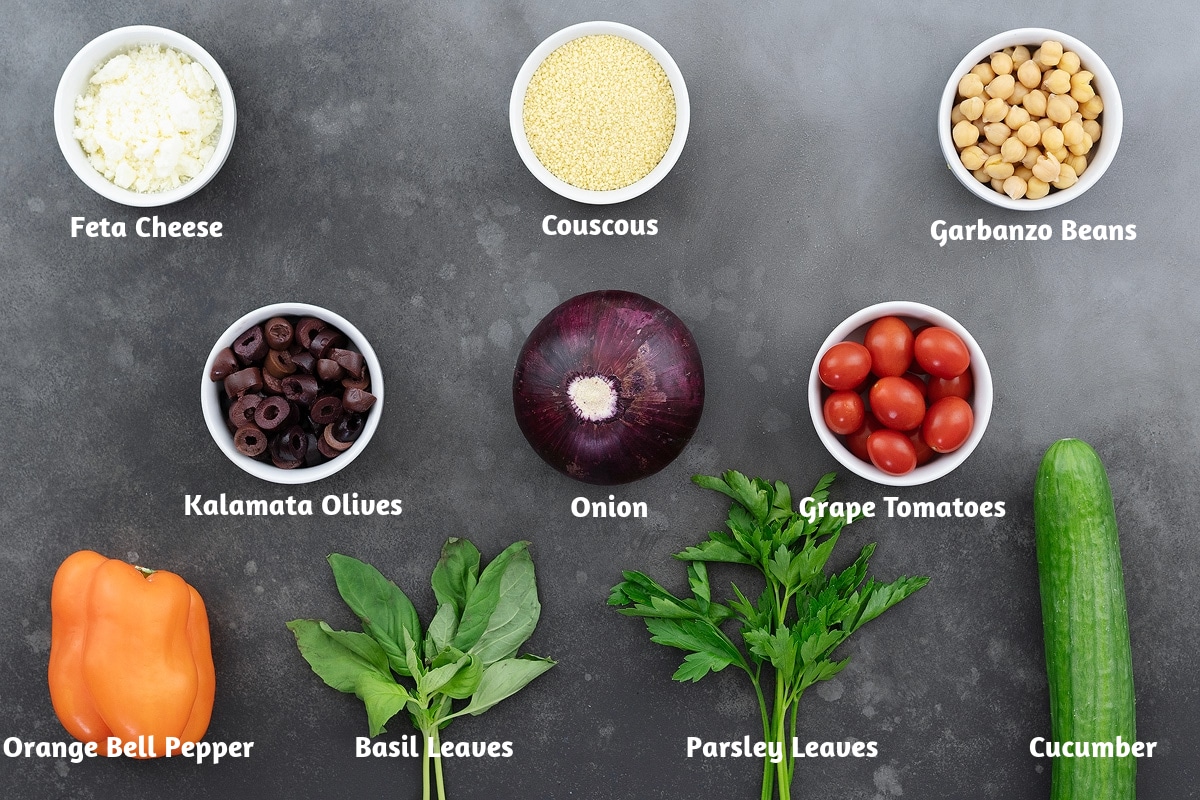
point(373, 173)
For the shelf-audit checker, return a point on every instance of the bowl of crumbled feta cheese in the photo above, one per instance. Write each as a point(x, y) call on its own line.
point(599, 112)
point(144, 116)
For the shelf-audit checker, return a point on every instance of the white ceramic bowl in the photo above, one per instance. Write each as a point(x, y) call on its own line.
point(517, 102)
point(1111, 118)
point(74, 83)
point(853, 329)
point(215, 415)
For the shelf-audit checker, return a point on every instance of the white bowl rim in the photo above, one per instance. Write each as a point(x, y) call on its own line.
point(682, 112)
point(981, 406)
point(99, 50)
point(1113, 118)
point(214, 417)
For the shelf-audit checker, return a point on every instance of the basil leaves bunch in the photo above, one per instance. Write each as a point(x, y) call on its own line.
point(789, 634)
point(468, 653)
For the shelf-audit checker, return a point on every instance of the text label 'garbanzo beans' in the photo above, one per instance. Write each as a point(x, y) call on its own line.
point(599, 112)
point(1025, 122)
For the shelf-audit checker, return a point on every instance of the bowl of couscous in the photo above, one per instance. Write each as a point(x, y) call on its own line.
point(599, 112)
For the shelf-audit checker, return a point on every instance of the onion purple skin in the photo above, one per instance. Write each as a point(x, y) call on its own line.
point(649, 358)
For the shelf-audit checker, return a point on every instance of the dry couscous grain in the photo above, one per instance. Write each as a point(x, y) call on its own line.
point(599, 112)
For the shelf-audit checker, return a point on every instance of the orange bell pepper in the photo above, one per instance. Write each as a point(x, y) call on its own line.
point(130, 653)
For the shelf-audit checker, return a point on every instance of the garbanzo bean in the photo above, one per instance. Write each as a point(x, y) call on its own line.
point(1014, 187)
point(1092, 108)
point(1066, 177)
point(1036, 189)
point(1020, 54)
point(996, 132)
point(1047, 169)
point(994, 110)
point(1001, 86)
point(1092, 129)
point(1016, 117)
point(997, 167)
point(1052, 138)
point(1013, 150)
point(985, 73)
point(1057, 108)
point(1057, 81)
point(989, 148)
point(1083, 93)
point(972, 158)
point(971, 108)
point(970, 85)
point(1029, 134)
point(1002, 63)
point(1019, 92)
point(1069, 62)
point(1083, 148)
point(1050, 53)
point(1078, 163)
point(1035, 103)
point(1031, 156)
point(1029, 74)
point(965, 134)
point(1072, 133)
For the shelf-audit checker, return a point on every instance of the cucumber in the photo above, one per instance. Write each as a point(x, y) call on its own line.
point(1088, 660)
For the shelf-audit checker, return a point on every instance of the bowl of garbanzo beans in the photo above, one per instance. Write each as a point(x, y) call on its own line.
point(1030, 119)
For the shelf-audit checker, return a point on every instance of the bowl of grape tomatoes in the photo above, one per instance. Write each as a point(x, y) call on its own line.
point(900, 393)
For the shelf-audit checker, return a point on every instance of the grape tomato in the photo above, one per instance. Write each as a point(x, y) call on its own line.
point(941, 352)
point(892, 452)
point(856, 442)
point(897, 403)
point(951, 387)
point(844, 366)
point(948, 424)
point(844, 412)
point(890, 343)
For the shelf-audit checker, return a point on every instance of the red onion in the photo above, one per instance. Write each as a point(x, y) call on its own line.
point(609, 387)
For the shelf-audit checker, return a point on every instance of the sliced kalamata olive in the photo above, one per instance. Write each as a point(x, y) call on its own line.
point(330, 441)
point(278, 332)
point(305, 361)
point(224, 365)
point(313, 455)
point(326, 410)
point(250, 347)
point(242, 411)
point(279, 364)
point(349, 360)
point(245, 380)
point(357, 401)
point(324, 340)
point(300, 389)
point(358, 383)
point(347, 428)
point(306, 329)
point(324, 447)
point(250, 440)
point(609, 387)
point(289, 447)
point(272, 413)
point(329, 370)
point(271, 384)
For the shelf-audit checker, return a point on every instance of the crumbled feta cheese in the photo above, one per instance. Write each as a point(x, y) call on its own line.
point(150, 119)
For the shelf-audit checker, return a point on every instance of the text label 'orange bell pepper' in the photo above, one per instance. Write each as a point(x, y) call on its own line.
point(129, 653)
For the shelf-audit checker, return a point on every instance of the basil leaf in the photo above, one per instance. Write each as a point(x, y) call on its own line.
point(503, 610)
point(457, 678)
point(504, 679)
point(383, 698)
point(339, 658)
point(385, 611)
point(442, 629)
point(433, 681)
point(456, 574)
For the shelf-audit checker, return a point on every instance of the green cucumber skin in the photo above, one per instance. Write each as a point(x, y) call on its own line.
point(1088, 658)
